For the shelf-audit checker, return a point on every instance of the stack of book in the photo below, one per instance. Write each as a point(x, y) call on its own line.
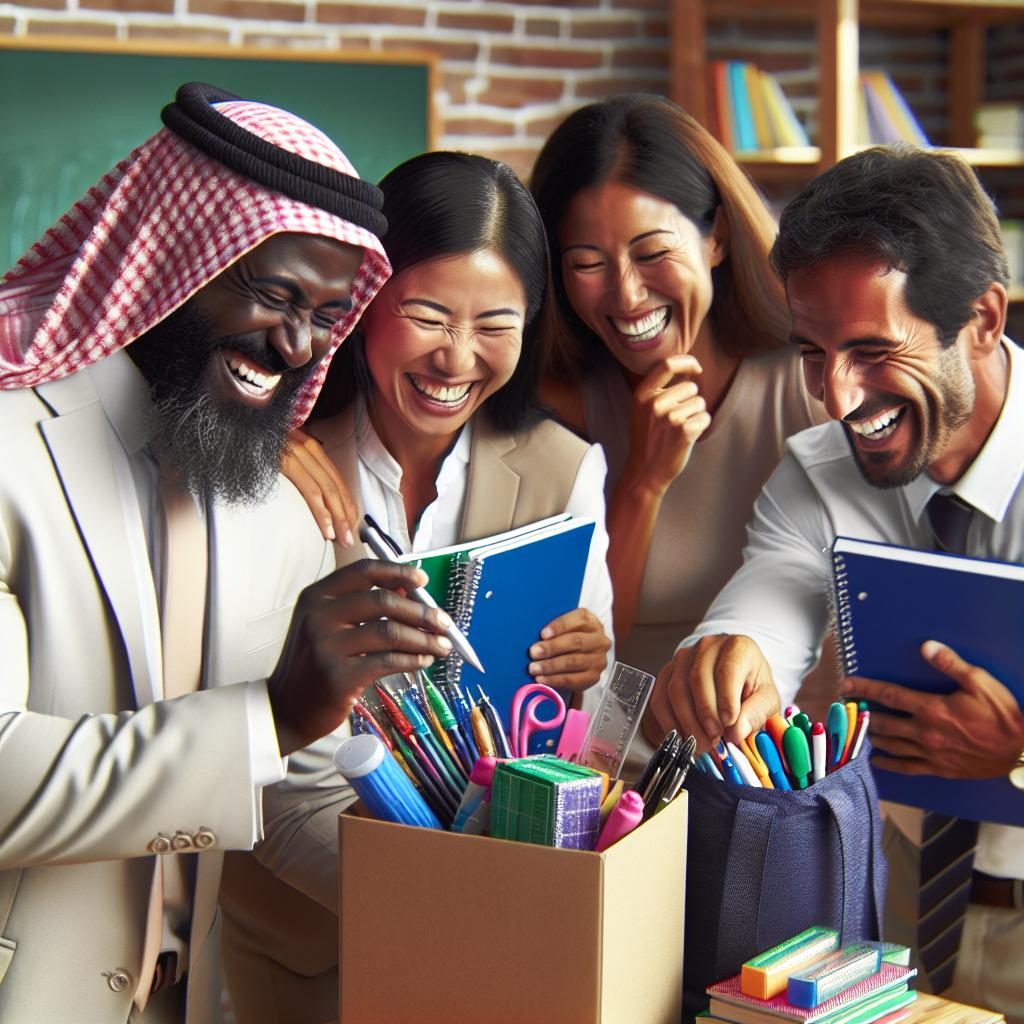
point(748, 111)
point(808, 979)
point(884, 114)
point(1000, 125)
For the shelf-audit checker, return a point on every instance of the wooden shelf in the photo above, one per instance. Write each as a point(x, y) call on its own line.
point(1016, 292)
point(796, 156)
point(837, 27)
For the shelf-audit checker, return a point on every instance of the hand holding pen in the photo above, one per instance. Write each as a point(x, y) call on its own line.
point(335, 646)
point(386, 550)
point(720, 687)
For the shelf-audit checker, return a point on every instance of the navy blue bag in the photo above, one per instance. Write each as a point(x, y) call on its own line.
point(764, 864)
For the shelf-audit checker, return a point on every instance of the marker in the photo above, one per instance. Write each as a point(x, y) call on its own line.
point(708, 766)
point(625, 817)
point(749, 748)
point(803, 723)
point(743, 766)
point(863, 721)
point(790, 713)
point(729, 770)
point(835, 730)
point(775, 727)
point(767, 749)
point(372, 539)
point(798, 756)
point(851, 728)
point(819, 752)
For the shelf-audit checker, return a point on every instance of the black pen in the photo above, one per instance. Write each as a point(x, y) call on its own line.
point(385, 548)
point(672, 779)
point(654, 762)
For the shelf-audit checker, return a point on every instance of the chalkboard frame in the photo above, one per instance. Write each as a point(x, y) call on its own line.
point(47, 48)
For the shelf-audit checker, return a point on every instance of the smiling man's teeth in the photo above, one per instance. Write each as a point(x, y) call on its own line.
point(446, 394)
point(644, 328)
point(880, 426)
point(245, 371)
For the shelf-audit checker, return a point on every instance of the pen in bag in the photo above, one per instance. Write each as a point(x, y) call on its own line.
point(729, 770)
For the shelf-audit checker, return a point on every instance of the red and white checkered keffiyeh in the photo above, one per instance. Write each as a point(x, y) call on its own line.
point(152, 232)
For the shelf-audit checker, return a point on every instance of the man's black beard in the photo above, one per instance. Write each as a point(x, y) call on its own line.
point(224, 450)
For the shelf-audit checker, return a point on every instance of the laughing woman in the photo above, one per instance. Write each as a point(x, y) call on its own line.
point(431, 418)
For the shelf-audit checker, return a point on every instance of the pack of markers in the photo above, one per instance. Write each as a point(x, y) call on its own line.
point(791, 752)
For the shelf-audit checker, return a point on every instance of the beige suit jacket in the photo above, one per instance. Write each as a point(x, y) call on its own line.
point(91, 770)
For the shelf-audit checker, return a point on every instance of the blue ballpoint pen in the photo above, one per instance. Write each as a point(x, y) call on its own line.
point(770, 755)
point(709, 766)
point(451, 773)
point(460, 705)
point(729, 770)
point(385, 549)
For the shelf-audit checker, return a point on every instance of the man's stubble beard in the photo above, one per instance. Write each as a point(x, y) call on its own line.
point(223, 450)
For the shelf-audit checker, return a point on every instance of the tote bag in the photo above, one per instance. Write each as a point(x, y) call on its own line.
point(764, 864)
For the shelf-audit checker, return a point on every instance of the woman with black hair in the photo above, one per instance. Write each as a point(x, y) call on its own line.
point(430, 415)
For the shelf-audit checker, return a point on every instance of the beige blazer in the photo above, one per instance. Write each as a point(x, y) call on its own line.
point(284, 943)
point(91, 770)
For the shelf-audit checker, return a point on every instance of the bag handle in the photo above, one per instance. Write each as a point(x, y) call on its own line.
point(744, 872)
point(849, 816)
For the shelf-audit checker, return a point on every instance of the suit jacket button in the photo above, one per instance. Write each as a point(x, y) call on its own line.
point(162, 844)
point(119, 979)
point(181, 841)
point(204, 839)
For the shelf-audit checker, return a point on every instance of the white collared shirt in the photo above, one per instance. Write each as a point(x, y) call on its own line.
point(778, 596)
point(380, 480)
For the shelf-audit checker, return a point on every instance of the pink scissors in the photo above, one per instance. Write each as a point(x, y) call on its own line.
point(526, 720)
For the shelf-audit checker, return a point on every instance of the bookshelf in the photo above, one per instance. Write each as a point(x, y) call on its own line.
point(837, 26)
point(837, 31)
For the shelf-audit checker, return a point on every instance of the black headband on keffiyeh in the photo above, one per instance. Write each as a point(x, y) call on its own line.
point(193, 118)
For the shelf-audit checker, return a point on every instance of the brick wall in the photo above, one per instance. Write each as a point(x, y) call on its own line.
point(508, 72)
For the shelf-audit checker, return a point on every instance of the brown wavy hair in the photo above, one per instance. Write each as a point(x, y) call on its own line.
point(649, 143)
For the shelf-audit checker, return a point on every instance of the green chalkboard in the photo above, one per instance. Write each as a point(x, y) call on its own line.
point(68, 116)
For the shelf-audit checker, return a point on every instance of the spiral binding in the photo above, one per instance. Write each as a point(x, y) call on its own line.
point(463, 585)
point(843, 613)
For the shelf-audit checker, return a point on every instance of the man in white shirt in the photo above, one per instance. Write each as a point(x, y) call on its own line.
point(896, 282)
point(227, 257)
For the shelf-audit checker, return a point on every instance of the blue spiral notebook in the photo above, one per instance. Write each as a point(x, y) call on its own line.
point(888, 601)
point(502, 595)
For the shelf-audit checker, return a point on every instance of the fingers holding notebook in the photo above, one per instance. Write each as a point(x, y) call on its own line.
point(572, 652)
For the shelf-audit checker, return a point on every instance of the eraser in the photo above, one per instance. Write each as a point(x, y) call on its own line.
point(767, 974)
point(836, 973)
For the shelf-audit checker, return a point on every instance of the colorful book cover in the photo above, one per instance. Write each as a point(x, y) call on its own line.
point(888, 601)
point(899, 113)
point(786, 126)
point(744, 132)
point(758, 108)
point(719, 93)
point(866, 1001)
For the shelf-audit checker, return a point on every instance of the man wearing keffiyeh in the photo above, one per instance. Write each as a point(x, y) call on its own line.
point(228, 257)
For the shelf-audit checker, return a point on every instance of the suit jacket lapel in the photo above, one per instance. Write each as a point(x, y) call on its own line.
point(338, 436)
point(227, 605)
point(493, 486)
point(75, 437)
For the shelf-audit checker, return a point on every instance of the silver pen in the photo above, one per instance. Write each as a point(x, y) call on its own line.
point(385, 549)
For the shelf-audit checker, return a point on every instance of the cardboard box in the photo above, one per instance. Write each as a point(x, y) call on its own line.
point(436, 926)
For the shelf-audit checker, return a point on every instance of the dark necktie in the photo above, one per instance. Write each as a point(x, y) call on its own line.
point(947, 844)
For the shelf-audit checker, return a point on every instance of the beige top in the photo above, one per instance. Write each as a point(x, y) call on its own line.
point(701, 528)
